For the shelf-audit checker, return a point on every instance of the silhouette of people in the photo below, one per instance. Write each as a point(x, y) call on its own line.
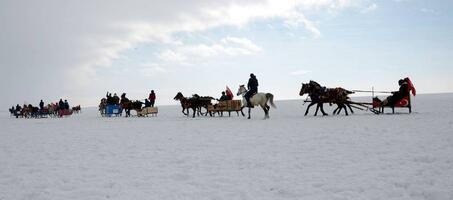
point(224, 97)
point(398, 95)
point(253, 89)
point(152, 98)
point(41, 105)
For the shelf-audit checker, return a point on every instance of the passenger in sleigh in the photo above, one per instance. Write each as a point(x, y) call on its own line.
point(397, 96)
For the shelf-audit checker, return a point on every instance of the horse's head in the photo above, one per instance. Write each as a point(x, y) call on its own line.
point(241, 90)
point(304, 89)
point(178, 96)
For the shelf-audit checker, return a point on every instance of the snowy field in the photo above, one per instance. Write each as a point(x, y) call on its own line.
point(289, 156)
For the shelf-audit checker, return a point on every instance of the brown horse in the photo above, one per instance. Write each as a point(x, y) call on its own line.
point(196, 103)
point(131, 105)
point(320, 95)
point(76, 109)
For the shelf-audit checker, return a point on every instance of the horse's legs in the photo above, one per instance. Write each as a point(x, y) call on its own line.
point(194, 112)
point(266, 111)
point(321, 105)
point(317, 109)
point(336, 109)
point(308, 108)
point(249, 112)
point(345, 110)
point(349, 105)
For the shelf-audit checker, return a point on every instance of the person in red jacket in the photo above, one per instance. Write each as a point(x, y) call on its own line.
point(152, 98)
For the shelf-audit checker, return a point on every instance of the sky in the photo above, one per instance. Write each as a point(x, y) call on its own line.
point(79, 50)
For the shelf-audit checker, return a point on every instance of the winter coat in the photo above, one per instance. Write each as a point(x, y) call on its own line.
point(253, 84)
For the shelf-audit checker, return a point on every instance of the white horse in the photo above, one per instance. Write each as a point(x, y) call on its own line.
point(260, 99)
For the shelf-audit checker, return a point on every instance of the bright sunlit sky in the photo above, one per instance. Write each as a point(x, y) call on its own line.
point(79, 50)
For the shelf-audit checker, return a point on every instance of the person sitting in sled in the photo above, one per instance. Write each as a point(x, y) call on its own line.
point(224, 97)
point(405, 86)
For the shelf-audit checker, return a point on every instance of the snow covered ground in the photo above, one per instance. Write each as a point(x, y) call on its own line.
point(363, 156)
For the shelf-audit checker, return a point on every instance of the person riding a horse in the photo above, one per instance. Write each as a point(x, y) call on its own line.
point(253, 89)
point(124, 99)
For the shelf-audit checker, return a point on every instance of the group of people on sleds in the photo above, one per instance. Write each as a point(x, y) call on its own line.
point(123, 103)
point(59, 109)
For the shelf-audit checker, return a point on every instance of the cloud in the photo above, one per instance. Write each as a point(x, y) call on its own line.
point(229, 46)
point(299, 72)
point(428, 11)
point(370, 8)
point(152, 69)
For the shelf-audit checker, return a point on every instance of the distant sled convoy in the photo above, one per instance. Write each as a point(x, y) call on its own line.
point(59, 109)
point(318, 95)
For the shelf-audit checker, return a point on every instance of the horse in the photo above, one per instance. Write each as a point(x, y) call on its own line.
point(260, 99)
point(12, 111)
point(76, 109)
point(128, 105)
point(320, 95)
point(195, 103)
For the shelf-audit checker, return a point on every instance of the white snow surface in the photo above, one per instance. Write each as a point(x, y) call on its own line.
point(362, 156)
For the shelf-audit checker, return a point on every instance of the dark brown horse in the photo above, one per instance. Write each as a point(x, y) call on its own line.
point(76, 109)
point(320, 95)
point(128, 105)
point(196, 103)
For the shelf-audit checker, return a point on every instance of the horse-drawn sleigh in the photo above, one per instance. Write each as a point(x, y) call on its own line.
point(110, 110)
point(198, 104)
point(320, 95)
point(203, 106)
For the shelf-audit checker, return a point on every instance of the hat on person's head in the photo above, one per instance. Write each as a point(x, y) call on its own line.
point(252, 75)
point(400, 82)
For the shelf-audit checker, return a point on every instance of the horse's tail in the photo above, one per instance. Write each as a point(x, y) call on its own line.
point(270, 98)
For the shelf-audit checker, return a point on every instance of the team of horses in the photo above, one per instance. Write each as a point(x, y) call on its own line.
point(320, 95)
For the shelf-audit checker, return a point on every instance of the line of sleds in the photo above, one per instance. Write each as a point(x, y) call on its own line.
point(319, 95)
point(30, 111)
point(116, 110)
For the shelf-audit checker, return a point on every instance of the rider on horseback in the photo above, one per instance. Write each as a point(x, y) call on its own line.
point(124, 99)
point(253, 89)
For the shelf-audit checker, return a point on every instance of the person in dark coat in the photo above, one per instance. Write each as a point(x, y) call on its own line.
point(124, 99)
point(61, 105)
point(253, 89)
point(66, 104)
point(115, 99)
point(41, 105)
point(224, 97)
point(110, 100)
point(152, 98)
point(18, 108)
point(398, 95)
point(147, 103)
